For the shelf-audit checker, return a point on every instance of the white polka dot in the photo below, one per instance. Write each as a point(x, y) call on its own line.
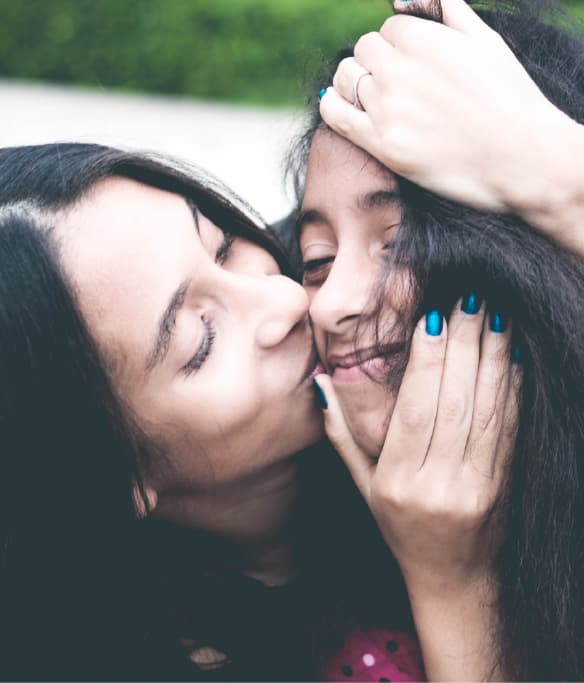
point(369, 660)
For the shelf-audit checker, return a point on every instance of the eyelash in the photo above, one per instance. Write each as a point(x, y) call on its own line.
point(316, 269)
point(225, 247)
point(203, 351)
point(206, 346)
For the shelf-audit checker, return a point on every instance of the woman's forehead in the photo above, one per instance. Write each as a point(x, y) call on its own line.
point(124, 247)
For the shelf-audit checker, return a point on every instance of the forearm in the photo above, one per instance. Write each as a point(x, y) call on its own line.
point(457, 630)
point(549, 189)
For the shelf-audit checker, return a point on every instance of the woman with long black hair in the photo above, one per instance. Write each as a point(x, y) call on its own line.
point(458, 266)
point(156, 392)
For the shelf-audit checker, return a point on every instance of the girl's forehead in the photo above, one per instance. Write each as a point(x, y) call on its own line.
point(332, 153)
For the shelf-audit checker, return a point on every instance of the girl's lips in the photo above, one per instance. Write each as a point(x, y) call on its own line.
point(372, 368)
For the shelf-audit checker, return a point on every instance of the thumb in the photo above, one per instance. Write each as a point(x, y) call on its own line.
point(455, 14)
point(359, 465)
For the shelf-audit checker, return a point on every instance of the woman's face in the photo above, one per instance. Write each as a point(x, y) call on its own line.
point(207, 343)
point(350, 215)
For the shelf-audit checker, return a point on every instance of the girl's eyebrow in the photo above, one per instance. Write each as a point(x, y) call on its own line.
point(379, 199)
point(308, 216)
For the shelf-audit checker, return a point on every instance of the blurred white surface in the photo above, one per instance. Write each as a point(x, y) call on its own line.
point(243, 146)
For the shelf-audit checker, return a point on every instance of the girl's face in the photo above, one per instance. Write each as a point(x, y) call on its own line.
point(350, 215)
point(208, 345)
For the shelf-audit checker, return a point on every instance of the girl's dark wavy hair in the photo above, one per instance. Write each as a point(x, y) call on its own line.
point(79, 574)
point(450, 249)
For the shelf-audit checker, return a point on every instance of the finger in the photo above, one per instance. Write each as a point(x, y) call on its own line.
point(412, 422)
point(510, 426)
point(459, 378)
point(456, 14)
point(372, 51)
point(347, 120)
point(491, 394)
point(359, 465)
point(347, 79)
point(410, 34)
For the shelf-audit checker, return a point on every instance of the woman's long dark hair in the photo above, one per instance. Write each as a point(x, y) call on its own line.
point(78, 589)
point(450, 250)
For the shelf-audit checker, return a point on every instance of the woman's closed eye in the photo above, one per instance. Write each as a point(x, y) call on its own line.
point(204, 350)
point(222, 254)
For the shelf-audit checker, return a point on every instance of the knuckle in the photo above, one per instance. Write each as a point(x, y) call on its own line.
point(413, 416)
point(390, 496)
point(345, 64)
point(453, 408)
point(364, 43)
point(485, 417)
point(387, 27)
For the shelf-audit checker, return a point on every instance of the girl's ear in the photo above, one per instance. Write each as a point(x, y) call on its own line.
point(145, 500)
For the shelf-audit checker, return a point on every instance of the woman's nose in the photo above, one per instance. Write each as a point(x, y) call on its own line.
point(278, 305)
point(343, 296)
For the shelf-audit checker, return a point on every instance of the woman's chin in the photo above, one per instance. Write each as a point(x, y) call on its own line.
point(367, 408)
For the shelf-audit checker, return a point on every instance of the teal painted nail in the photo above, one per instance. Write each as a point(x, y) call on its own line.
point(516, 355)
point(321, 94)
point(498, 322)
point(320, 395)
point(471, 304)
point(434, 323)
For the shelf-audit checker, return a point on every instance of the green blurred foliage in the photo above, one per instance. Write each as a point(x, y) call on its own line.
point(251, 50)
point(245, 50)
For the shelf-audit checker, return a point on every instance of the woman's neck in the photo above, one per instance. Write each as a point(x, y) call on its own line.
point(252, 516)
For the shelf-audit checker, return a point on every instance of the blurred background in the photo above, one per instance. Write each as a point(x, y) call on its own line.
point(220, 82)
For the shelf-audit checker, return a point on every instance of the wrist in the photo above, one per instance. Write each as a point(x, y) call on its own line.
point(458, 630)
point(549, 192)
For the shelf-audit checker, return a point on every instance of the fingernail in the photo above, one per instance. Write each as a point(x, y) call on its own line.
point(434, 323)
point(321, 94)
point(320, 395)
point(471, 304)
point(516, 355)
point(498, 322)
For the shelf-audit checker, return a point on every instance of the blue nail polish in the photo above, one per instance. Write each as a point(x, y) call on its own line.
point(321, 94)
point(434, 323)
point(516, 355)
point(320, 395)
point(471, 304)
point(498, 322)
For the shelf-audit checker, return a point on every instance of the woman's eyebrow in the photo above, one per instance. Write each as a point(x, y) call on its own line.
point(380, 199)
point(195, 211)
point(166, 327)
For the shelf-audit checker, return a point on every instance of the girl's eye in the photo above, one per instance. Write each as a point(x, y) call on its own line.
point(315, 272)
point(203, 351)
point(222, 253)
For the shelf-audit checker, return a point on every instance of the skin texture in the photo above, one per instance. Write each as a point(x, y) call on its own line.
point(227, 429)
point(433, 482)
point(502, 145)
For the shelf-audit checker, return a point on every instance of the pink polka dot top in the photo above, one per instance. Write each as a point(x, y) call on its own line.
point(373, 654)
